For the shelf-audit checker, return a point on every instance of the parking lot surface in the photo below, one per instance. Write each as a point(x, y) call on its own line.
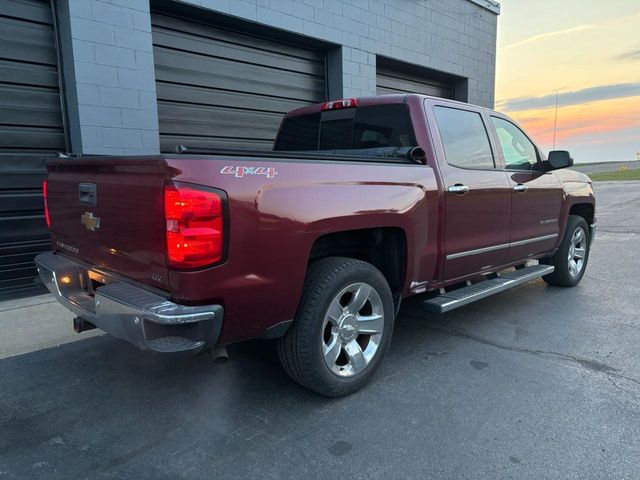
point(539, 382)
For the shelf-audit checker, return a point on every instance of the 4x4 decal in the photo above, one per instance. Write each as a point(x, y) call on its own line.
point(240, 172)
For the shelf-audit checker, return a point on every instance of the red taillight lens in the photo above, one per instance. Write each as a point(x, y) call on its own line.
point(46, 205)
point(195, 224)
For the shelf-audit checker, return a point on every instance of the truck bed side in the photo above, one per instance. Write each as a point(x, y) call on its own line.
point(274, 223)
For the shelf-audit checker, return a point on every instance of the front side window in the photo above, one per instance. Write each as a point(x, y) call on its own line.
point(519, 153)
point(465, 139)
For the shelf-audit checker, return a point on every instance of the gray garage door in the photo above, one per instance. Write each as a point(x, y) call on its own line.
point(395, 80)
point(219, 88)
point(31, 128)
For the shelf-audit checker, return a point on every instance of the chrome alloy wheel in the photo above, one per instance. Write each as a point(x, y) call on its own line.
point(577, 251)
point(352, 329)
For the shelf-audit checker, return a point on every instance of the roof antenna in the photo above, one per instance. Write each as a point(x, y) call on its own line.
point(555, 124)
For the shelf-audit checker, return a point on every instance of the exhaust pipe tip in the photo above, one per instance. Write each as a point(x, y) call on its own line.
point(220, 354)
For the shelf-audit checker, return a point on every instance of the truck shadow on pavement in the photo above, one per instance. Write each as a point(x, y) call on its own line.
point(102, 393)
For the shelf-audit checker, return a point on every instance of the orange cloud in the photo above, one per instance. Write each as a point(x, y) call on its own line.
point(592, 119)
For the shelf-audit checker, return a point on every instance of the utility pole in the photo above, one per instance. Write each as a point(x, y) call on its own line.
point(555, 124)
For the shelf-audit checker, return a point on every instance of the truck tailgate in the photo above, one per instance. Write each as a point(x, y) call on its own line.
point(109, 212)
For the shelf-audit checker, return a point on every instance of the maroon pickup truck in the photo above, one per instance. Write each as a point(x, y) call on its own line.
point(362, 202)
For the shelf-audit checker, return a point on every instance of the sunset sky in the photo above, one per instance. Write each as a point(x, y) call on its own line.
point(589, 52)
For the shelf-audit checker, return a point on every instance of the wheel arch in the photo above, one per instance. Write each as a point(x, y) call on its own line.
point(584, 210)
point(383, 247)
point(579, 199)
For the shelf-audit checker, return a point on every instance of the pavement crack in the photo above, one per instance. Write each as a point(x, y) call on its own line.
point(585, 363)
point(624, 390)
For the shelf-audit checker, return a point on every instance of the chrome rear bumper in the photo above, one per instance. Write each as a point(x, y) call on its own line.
point(127, 311)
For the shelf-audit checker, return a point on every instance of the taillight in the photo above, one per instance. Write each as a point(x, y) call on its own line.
point(194, 224)
point(339, 104)
point(46, 205)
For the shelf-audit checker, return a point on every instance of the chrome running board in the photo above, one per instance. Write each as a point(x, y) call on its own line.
point(457, 298)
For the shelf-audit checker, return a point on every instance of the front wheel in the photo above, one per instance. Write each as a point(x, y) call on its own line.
point(342, 329)
point(570, 261)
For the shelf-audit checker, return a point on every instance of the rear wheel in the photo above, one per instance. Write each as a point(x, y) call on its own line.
point(570, 261)
point(342, 329)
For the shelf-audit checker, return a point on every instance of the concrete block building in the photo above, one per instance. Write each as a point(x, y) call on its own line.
point(136, 77)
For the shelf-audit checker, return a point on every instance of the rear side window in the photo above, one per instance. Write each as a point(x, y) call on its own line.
point(465, 138)
point(353, 128)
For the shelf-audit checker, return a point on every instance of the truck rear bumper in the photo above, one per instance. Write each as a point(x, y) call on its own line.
point(124, 310)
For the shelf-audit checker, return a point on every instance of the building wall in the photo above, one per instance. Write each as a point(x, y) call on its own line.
point(107, 56)
point(109, 75)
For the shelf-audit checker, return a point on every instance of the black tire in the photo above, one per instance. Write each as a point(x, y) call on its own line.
point(562, 276)
point(301, 349)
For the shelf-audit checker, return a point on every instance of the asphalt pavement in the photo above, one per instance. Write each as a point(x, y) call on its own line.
point(539, 382)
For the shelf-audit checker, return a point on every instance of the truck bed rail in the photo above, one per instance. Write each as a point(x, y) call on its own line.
point(402, 155)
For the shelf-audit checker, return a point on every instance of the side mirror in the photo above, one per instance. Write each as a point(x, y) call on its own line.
point(559, 159)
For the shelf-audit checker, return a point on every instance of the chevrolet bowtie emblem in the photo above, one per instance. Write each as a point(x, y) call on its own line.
point(89, 221)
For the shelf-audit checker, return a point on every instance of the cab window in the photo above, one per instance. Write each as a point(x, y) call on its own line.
point(464, 137)
point(375, 126)
point(519, 153)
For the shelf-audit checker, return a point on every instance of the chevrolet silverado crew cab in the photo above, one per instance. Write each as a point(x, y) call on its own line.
point(361, 202)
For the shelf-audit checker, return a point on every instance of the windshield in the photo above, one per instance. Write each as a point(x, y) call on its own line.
point(377, 126)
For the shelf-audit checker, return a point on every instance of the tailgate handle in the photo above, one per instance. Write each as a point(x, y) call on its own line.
point(88, 194)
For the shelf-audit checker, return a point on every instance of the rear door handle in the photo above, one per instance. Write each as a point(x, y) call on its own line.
point(458, 189)
point(520, 188)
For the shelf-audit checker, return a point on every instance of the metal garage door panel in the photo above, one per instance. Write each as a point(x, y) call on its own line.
point(14, 72)
point(32, 10)
point(29, 106)
point(240, 53)
point(26, 42)
point(231, 75)
point(31, 128)
point(220, 88)
point(168, 142)
point(31, 140)
point(244, 39)
point(395, 81)
point(223, 98)
point(227, 123)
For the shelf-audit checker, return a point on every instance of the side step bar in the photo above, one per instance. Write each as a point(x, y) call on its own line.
point(457, 298)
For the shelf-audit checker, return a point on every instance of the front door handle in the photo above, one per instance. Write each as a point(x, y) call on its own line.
point(520, 188)
point(458, 189)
